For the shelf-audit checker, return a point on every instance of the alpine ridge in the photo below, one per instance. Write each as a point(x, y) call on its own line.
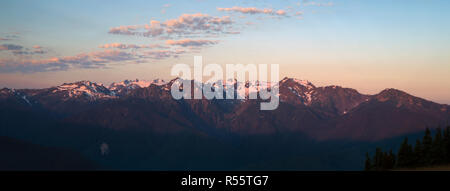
point(322, 113)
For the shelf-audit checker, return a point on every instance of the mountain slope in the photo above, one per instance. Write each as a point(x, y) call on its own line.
point(388, 114)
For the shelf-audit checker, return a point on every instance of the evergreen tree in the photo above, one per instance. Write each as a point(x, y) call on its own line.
point(368, 164)
point(437, 149)
point(427, 142)
point(446, 144)
point(384, 161)
point(418, 154)
point(389, 160)
point(410, 155)
point(378, 159)
point(404, 158)
point(428, 151)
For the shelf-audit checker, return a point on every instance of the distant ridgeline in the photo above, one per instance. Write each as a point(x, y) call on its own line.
point(425, 153)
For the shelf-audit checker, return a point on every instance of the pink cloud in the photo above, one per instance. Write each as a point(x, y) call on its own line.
point(185, 24)
point(281, 12)
point(155, 46)
point(119, 46)
point(246, 10)
point(128, 30)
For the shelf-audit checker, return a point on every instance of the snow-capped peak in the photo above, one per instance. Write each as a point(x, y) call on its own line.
point(304, 83)
point(82, 85)
point(302, 89)
point(5, 91)
point(91, 89)
point(132, 84)
point(159, 82)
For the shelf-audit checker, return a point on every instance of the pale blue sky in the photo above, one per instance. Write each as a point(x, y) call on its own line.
point(368, 45)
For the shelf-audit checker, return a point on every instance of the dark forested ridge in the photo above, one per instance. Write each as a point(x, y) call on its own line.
point(425, 152)
point(21, 155)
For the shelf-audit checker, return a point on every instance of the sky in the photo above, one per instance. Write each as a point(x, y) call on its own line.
point(368, 45)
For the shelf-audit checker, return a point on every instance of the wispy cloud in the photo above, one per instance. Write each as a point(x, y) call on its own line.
point(20, 50)
point(31, 66)
point(132, 46)
point(10, 47)
point(318, 4)
point(191, 42)
point(299, 13)
point(164, 9)
point(253, 10)
point(93, 60)
point(98, 59)
point(11, 36)
point(163, 54)
point(29, 52)
point(120, 46)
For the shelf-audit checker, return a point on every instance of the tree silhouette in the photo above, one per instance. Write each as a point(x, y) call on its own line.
point(426, 152)
point(405, 154)
point(368, 164)
point(418, 154)
point(389, 160)
point(427, 142)
point(437, 149)
point(446, 144)
point(378, 159)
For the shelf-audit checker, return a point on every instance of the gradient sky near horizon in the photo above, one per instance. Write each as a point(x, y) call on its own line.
point(368, 45)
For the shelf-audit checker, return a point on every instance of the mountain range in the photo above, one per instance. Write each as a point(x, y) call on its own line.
point(330, 112)
point(82, 114)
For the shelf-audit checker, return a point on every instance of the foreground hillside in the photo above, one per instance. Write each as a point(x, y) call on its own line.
point(19, 155)
point(430, 168)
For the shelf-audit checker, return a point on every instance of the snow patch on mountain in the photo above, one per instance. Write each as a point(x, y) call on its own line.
point(305, 96)
point(26, 99)
point(159, 82)
point(304, 83)
point(132, 84)
point(5, 91)
point(84, 88)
